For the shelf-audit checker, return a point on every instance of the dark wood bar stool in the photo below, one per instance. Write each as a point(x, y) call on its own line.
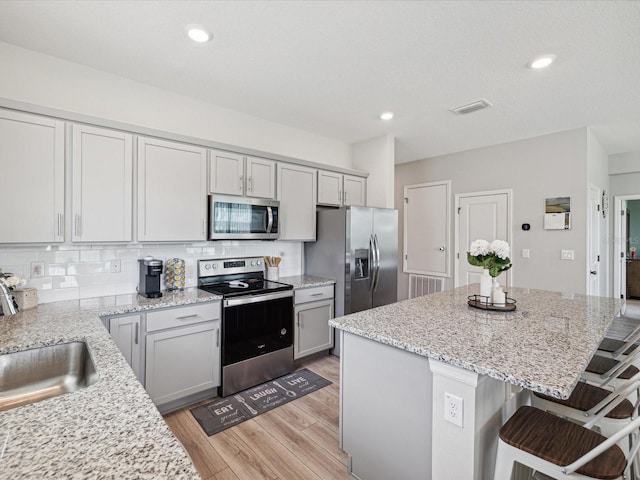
point(609, 373)
point(616, 349)
point(560, 448)
point(594, 406)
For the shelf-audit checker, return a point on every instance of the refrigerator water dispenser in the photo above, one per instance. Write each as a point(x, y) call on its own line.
point(362, 264)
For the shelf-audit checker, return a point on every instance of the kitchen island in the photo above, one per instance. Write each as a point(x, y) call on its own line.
point(110, 429)
point(399, 362)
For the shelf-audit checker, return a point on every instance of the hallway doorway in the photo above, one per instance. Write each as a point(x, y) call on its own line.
point(626, 254)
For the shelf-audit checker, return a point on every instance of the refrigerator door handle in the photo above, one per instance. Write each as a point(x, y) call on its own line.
point(372, 263)
point(377, 262)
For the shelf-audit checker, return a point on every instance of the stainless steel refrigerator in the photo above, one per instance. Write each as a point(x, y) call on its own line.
point(358, 247)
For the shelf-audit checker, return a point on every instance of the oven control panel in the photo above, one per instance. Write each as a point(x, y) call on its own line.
point(229, 266)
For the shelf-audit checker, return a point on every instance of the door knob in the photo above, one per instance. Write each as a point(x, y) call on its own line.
point(593, 272)
point(441, 249)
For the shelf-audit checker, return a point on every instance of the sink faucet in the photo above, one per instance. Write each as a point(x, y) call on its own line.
point(6, 301)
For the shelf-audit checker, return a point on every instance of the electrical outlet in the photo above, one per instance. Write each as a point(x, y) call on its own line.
point(37, 269)
point(281, 254)
point(116, 266)
point(453, 409)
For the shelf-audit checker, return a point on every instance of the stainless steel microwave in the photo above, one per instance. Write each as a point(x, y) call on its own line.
point(242, 218)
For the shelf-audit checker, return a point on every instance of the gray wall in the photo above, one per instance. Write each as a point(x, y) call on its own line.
point(547, 166)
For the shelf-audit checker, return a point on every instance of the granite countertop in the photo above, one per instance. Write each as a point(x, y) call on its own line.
point(544, 345)
point(122, 304)
point(306, 281)
point(110, 429)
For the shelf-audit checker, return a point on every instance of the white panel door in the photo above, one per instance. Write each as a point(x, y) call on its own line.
point(297, 196)
point(329, 188)
point(226, 173)
point(485, 217)
point(31, 178)
point(172, 191)
point(261, 178)
point(593, 243)
point(102, 185)
point(354, 190)
point(426, 229)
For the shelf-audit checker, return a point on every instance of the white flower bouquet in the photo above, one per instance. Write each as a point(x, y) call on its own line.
point(11, 281)
point(492, 256)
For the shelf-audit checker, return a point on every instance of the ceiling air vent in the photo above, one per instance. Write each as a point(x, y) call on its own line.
point(471, 107)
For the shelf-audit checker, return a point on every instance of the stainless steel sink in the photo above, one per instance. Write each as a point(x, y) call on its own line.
point(33, 375)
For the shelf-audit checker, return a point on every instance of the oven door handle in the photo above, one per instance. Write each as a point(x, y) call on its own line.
point(232, 302)
point(270, 219)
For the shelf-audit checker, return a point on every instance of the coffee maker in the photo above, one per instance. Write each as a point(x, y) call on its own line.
point(150, 272)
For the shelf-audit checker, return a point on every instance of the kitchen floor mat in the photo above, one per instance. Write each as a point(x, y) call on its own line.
point(223, 413)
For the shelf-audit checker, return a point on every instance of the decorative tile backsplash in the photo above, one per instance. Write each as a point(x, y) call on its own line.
point(72, 272)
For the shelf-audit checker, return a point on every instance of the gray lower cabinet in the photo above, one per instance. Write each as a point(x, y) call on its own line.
point(182, 362)
point(313, 309)
point(125, 331)
point(174, 352)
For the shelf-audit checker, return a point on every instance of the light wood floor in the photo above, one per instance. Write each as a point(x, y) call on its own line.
point(297, 441)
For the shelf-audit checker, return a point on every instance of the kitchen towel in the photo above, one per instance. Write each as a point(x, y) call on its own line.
point(223, 413)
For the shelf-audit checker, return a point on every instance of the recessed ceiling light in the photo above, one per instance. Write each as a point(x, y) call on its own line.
point(198, 33)
point(543, 61)
point(386, 115)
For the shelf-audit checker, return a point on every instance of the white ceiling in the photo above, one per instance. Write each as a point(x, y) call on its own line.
point(331, 67)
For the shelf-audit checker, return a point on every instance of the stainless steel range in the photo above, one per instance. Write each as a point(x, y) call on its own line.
point(257, 321)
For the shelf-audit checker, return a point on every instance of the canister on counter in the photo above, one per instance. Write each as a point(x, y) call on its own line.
point(175, 274)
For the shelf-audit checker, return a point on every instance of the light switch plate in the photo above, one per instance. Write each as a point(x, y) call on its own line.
point(566, 254)
point(525, 253)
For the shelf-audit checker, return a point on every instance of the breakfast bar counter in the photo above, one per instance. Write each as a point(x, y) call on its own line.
point(406, 365)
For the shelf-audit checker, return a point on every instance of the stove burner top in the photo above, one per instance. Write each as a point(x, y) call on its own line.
point(245, 286)
point(232, 277)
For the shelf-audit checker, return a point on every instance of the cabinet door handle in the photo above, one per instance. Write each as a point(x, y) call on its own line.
point(78, 225)
point(184, 317)
point(316, 294)
point(240, 185)
point(60, 223)
point(249, 186)
point(204, 227)
point(135, 340)
point(217, 337)
point(345, 196)
point(339, 196)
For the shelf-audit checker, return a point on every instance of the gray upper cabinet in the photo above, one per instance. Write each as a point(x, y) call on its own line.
point(102, 192)
point(172, 191)
point(32, 179)
point(355, 190)
point(226, 173)
point(261, 178)
point(297, 196)
point(336, 189)
point(234, 174)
